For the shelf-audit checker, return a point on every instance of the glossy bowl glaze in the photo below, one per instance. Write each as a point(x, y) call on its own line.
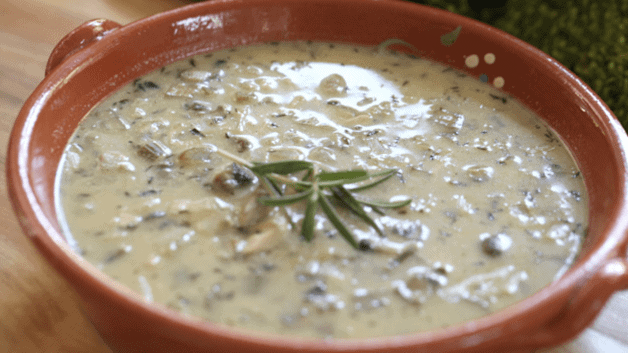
point(101, 56)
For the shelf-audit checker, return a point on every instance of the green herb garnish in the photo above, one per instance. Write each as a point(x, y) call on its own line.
point(320, 189)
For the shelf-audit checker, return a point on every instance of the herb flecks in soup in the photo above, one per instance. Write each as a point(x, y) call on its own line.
point(498, 207)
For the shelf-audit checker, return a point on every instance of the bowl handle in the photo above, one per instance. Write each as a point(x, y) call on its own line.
point(79, 38)
point(586, 302)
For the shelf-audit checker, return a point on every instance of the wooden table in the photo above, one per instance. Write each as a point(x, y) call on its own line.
point(38, 311)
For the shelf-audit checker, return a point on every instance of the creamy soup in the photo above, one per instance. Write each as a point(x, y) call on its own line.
point(498, 206)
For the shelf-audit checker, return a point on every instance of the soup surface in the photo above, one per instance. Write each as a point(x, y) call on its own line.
point(498, 207)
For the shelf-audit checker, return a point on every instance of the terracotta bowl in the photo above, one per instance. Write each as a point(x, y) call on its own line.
point(100, 56)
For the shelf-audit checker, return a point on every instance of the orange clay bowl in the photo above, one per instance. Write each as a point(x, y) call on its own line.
point(100, 56)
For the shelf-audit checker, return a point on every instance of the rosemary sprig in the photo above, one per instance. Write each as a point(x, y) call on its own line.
point(318, 189)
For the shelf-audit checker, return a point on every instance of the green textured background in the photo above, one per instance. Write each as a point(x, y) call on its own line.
point(587, 36)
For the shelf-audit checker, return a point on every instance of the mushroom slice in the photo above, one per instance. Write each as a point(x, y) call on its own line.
point(197, 75)
point(115, 161)
point(233, 178)
point(154, 150)
point(495, 245)
point(251, 211)
point(333, 85)
point(266, 236)
point(196, 156)
point(182, 90)
point(420, 284)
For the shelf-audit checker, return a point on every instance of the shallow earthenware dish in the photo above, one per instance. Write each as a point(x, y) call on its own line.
point(100, 56)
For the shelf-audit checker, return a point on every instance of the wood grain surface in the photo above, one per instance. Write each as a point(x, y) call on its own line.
point(39, 312)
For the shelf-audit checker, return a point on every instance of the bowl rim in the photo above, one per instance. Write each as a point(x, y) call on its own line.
point(45, 234)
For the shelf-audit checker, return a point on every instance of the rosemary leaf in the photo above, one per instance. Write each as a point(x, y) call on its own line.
point(332, 183)
point(282, 167)
point(387, 174)
point(284, 200)
point(308, 225)
point(375, 209)
point(335, 220)
point(272, 185)
point(385, 204)
point(342, 175)
point(354, 206)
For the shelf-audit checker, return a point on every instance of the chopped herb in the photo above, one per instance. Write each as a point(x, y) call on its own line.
point(155, 215)
point(121, 103)
point(496, 97)
point(364, 245)
point(148, 193)
point(197, 132)
point(195, 106)
point(448, 39)
point(143, 86)
point(114, 256)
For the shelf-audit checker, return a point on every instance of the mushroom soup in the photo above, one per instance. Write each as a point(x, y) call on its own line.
point(148, 193)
